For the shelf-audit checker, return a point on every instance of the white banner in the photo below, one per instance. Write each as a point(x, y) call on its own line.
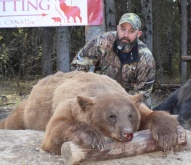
point(41, 13)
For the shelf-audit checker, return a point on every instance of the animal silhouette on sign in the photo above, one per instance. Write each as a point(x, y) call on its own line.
point(70, 11)
point(56, 19)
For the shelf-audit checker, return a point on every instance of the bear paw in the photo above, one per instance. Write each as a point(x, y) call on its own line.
point(165, 141)
point(164, 130)
point(93, 139)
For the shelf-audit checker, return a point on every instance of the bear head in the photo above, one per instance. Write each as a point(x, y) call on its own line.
point(114, 115)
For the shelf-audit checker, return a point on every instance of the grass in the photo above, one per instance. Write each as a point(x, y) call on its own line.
point(13, 91)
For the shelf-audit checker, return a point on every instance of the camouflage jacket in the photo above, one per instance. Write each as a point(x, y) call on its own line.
point(135, 77)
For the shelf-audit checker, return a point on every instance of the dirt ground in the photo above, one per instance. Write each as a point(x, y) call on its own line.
point(22, 147)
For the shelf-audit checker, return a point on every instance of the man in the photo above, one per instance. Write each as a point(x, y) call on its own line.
point(122, 56)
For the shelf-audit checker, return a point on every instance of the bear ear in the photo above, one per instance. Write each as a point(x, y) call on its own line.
point(85, 103)
point(138, 98)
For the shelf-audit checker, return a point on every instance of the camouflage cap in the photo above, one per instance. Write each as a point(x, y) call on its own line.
point(131, 18)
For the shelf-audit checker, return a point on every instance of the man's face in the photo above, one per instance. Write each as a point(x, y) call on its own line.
point(127, 36)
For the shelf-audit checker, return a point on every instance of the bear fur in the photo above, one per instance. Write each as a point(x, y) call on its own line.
point(179, 103)
point(85, 107)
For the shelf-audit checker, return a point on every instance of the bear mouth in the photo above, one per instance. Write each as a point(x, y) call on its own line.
point(127, 137)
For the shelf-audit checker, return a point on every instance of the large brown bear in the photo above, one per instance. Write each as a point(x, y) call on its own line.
point(85, 107)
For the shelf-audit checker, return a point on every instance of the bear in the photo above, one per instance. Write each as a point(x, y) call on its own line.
point(179, 103)
point(85, 107)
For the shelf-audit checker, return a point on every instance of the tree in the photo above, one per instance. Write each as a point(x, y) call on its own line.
point(110, 16)
point(92, 31)
point(147, 28)
point(166, 40)
point(189, 38)
point(62, 49)
point(169, 50)
point(183, 39)
point(126, 8)
point(47, 42)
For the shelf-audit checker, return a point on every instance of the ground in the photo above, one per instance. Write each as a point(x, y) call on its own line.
point(23, 146)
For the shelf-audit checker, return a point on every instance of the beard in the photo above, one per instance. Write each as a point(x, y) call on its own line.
point(126, 45)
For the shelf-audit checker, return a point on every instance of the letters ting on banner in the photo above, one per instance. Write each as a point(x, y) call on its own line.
point(24, 5)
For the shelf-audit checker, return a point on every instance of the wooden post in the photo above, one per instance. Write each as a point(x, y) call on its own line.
point(168, 86)
point(142, 142)
point(186, 58)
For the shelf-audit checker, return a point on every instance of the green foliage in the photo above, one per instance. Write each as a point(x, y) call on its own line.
point(19, 51)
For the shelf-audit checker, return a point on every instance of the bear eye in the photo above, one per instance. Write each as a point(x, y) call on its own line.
point(130, 116)
point(112, 118)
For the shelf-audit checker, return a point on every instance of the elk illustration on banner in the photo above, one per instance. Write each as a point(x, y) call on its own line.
point(70, 11)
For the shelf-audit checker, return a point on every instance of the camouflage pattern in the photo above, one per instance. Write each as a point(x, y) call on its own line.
point(131, 18)
point(137, 77)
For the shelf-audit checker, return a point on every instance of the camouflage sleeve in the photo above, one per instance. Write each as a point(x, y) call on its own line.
point(146, 75)
point(87, 57)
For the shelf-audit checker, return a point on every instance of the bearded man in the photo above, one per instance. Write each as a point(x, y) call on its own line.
point(122, 56)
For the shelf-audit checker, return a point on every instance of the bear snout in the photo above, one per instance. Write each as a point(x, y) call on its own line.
point(127, 135)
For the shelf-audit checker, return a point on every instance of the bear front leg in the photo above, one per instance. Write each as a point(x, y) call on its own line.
point(163, 128)
point(60, 131)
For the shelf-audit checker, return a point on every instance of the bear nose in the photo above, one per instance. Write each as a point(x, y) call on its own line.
point(127, 135)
